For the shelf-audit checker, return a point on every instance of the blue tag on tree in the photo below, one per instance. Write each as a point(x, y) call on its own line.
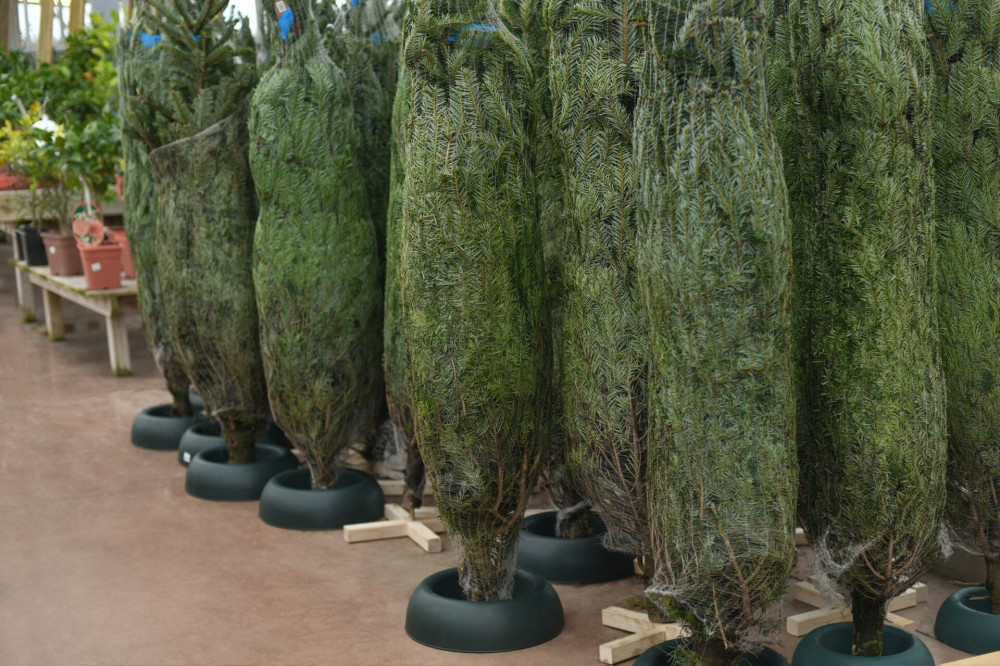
point(149, 40)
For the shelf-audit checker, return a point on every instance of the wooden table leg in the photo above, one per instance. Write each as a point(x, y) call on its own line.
point(121, 362)
point(53, 315)
point(25, 295)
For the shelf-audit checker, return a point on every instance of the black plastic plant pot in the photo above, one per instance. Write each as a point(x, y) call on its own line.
point(662, 655)
point(289, 501)
point(965, 622)
point(32, 249)
point(569, 561)
point(439, 616)
point(206, 434)
point(210, 477)
point(154, 428)
point(831, 646)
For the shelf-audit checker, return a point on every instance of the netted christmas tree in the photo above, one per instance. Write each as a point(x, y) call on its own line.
point(316, 268)
point(364, 42)
point(472, 275)
point(394, 360)
point(965, 47)
point(714, 264)
point(872, 446)
point(593, 76)
point(133, 59)
point(206, 208)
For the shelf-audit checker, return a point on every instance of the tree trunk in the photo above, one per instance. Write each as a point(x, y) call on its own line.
point(713, 652)
point(574, 522)
point(487, 568)
point(240, 440)
point(869, 618)
point(993, 583)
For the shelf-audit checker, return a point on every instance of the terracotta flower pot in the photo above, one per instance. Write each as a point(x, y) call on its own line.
point(117, 235)
point(11, 181)
point(102, 264)
point(64, 258)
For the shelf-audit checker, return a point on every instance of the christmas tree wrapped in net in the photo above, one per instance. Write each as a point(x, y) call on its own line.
point(394, 360)
point(595, 55)
point(714, 264)
point(207, 209)
point(472, 278)
point(316, 271)
point(871, 434)
point(364, 42)
point(965, 48)
point(135, 59)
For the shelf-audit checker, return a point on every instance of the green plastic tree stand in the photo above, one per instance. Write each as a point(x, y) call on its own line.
point(964, 622)
point(831, 646)
point(211, 477)
point(439, 616)
point(154, 428)
point(661, 655)
point(288, 501)
point(569, 561)
point(207, 434)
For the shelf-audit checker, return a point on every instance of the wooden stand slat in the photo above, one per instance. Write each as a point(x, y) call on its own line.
point(421, 531)
point(645, 634)
point(833, 610)
point(991, 659)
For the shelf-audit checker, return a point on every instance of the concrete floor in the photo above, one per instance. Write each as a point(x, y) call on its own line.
point(105, 561)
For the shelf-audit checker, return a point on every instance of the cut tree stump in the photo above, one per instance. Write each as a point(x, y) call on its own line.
point(423, 531)
point(644, 634)
point(833, 610)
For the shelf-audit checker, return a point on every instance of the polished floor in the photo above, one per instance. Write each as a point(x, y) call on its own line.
point(105, 561)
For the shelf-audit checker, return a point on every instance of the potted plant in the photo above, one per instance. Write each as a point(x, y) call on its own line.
point(318, 252)
point(204, 235)
point(714, 274)
point(159, 427)
point(102, 262)
point(475, 322)
point(966, 144)
point(871, 430)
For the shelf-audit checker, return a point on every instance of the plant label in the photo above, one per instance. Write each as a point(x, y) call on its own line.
point(187, 456)
point(96, 267)
point(52, 249)
point(280, 7)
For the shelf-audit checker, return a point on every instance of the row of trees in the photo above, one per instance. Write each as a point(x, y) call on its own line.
point(581, 252)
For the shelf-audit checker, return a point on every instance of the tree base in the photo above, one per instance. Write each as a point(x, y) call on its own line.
point(288, 501)
point(439, 616)
point(154, 428)
point(831, 646)
point(211, 476)
point(965, 622)
point(205, 435)
point(579, 561)
point(660, 655)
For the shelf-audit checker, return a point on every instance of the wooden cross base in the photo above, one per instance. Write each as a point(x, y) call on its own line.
point(833, 610)
point(991, 659)
point(644, 634)
point(423, 531)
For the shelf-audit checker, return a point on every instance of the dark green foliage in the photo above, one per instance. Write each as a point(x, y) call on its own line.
point(204, 243)
point(715, 279)
point(365, 43)
point(394, 361)
point(316, 268)
point(190, 109)
point(140, 219)
point(965, 49)
point(472, 278)
point(594, 58)
point(872, 418)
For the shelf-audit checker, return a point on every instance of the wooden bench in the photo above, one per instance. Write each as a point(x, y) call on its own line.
point(106, 302)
